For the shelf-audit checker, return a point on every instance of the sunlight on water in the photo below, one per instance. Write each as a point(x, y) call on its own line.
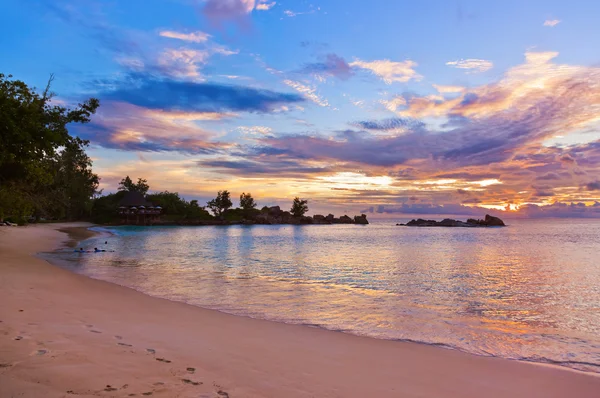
point(529, 291)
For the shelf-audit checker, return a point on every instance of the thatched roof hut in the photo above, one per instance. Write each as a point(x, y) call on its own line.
point(134, 199)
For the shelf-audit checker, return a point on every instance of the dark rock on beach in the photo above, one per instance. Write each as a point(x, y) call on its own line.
point(488, 221)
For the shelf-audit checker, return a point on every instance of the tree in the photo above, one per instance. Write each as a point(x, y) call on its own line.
point(247, 201)
point(299, 207)
point(220, 204)
point(38, 155)
point(141, 186)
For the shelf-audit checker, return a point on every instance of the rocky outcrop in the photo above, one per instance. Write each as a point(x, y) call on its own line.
point(274, 215)
point(362, 219)
point(346, 220)
point(489, 221)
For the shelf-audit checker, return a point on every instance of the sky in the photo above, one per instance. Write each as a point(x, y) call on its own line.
point(384, 107)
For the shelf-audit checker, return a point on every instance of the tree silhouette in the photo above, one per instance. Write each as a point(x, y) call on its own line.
point(141, 186)
point(299, 207)
point(221, 203)
point(247, 201)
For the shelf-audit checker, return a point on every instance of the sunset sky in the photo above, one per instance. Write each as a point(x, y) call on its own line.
point(379, 106)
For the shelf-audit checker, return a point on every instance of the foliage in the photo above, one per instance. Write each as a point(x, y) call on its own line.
point(220, 204)
point(247, 201)
point(196, 212)
point(44, 171)
point(299, 207)
point(104, 208)
point(174, 208)
point(127, 184)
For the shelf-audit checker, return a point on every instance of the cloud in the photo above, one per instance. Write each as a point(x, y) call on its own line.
point(280, 168)
point(499, 129)
point(151, 92)
point(119, 125)
point(254, 130)
point(390, 71)
point(448, 89)
point(388, 124)
point(182, 62)
point(308, 92)
point(332, 65)
point(194, 37)
point(551, 22)
point(264, 5)
point(393, 104)
point(292, 14)
point(522, 85)
point(219, 12)
point(472, 65)
point(593, 186)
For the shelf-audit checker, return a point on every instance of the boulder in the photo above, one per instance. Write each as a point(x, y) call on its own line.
point(274, 210)
point(346, 220)
point(492, 221)
point(330, 218)
point(421, 223)
point(489, 221)
point(447, 222)
point(320, 219)
point(362, 219)
point(306, 220)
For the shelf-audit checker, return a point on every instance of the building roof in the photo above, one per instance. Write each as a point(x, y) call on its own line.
point(132, 198)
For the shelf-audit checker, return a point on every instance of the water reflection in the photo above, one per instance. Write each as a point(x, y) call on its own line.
point(528, 291)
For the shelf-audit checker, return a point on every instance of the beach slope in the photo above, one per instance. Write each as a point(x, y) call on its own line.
point(65, 335)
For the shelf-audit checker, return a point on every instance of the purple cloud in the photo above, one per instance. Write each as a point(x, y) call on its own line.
point(332, 65)
point(150, 92)
point(388, 124)
point(220, 12)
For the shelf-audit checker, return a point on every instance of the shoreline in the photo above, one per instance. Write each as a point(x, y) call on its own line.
point(70, 323)
point(77, 235)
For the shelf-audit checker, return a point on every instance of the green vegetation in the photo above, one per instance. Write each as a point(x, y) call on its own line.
point(127, 184)
point(46, 174)
point(220, 204)
point(44, 171)
point(299, 207)
point(247, 201)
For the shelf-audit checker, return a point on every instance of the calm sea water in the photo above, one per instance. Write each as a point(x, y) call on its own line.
point(528, 291)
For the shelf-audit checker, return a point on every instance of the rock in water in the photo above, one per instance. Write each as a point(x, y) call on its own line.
point(489, 221)
point(362, 219)
point(345, 219)
point(492, 221)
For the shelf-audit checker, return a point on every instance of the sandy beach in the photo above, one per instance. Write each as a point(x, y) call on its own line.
point(64, 335)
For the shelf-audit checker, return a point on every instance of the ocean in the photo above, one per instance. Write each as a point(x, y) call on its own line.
point(529, 291)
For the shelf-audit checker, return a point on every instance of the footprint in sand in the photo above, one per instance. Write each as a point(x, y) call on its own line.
point(19, 338)
point(191, 370)
point(5, 365)
point(163, 360)
point(125, 344)
point(110, 388)
point(119, 337)
point(40, 352)
point(147, 393)
point(151, 350)
point(92, 330)
point(188, 381)
point(223, 394)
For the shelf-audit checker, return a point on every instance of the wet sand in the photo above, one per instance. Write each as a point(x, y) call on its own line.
point(65, 335)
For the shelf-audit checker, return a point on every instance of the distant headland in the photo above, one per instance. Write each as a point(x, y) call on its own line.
point(131, 205)
point(488, 221)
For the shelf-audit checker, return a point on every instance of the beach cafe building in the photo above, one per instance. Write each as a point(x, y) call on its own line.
point(134, 209)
